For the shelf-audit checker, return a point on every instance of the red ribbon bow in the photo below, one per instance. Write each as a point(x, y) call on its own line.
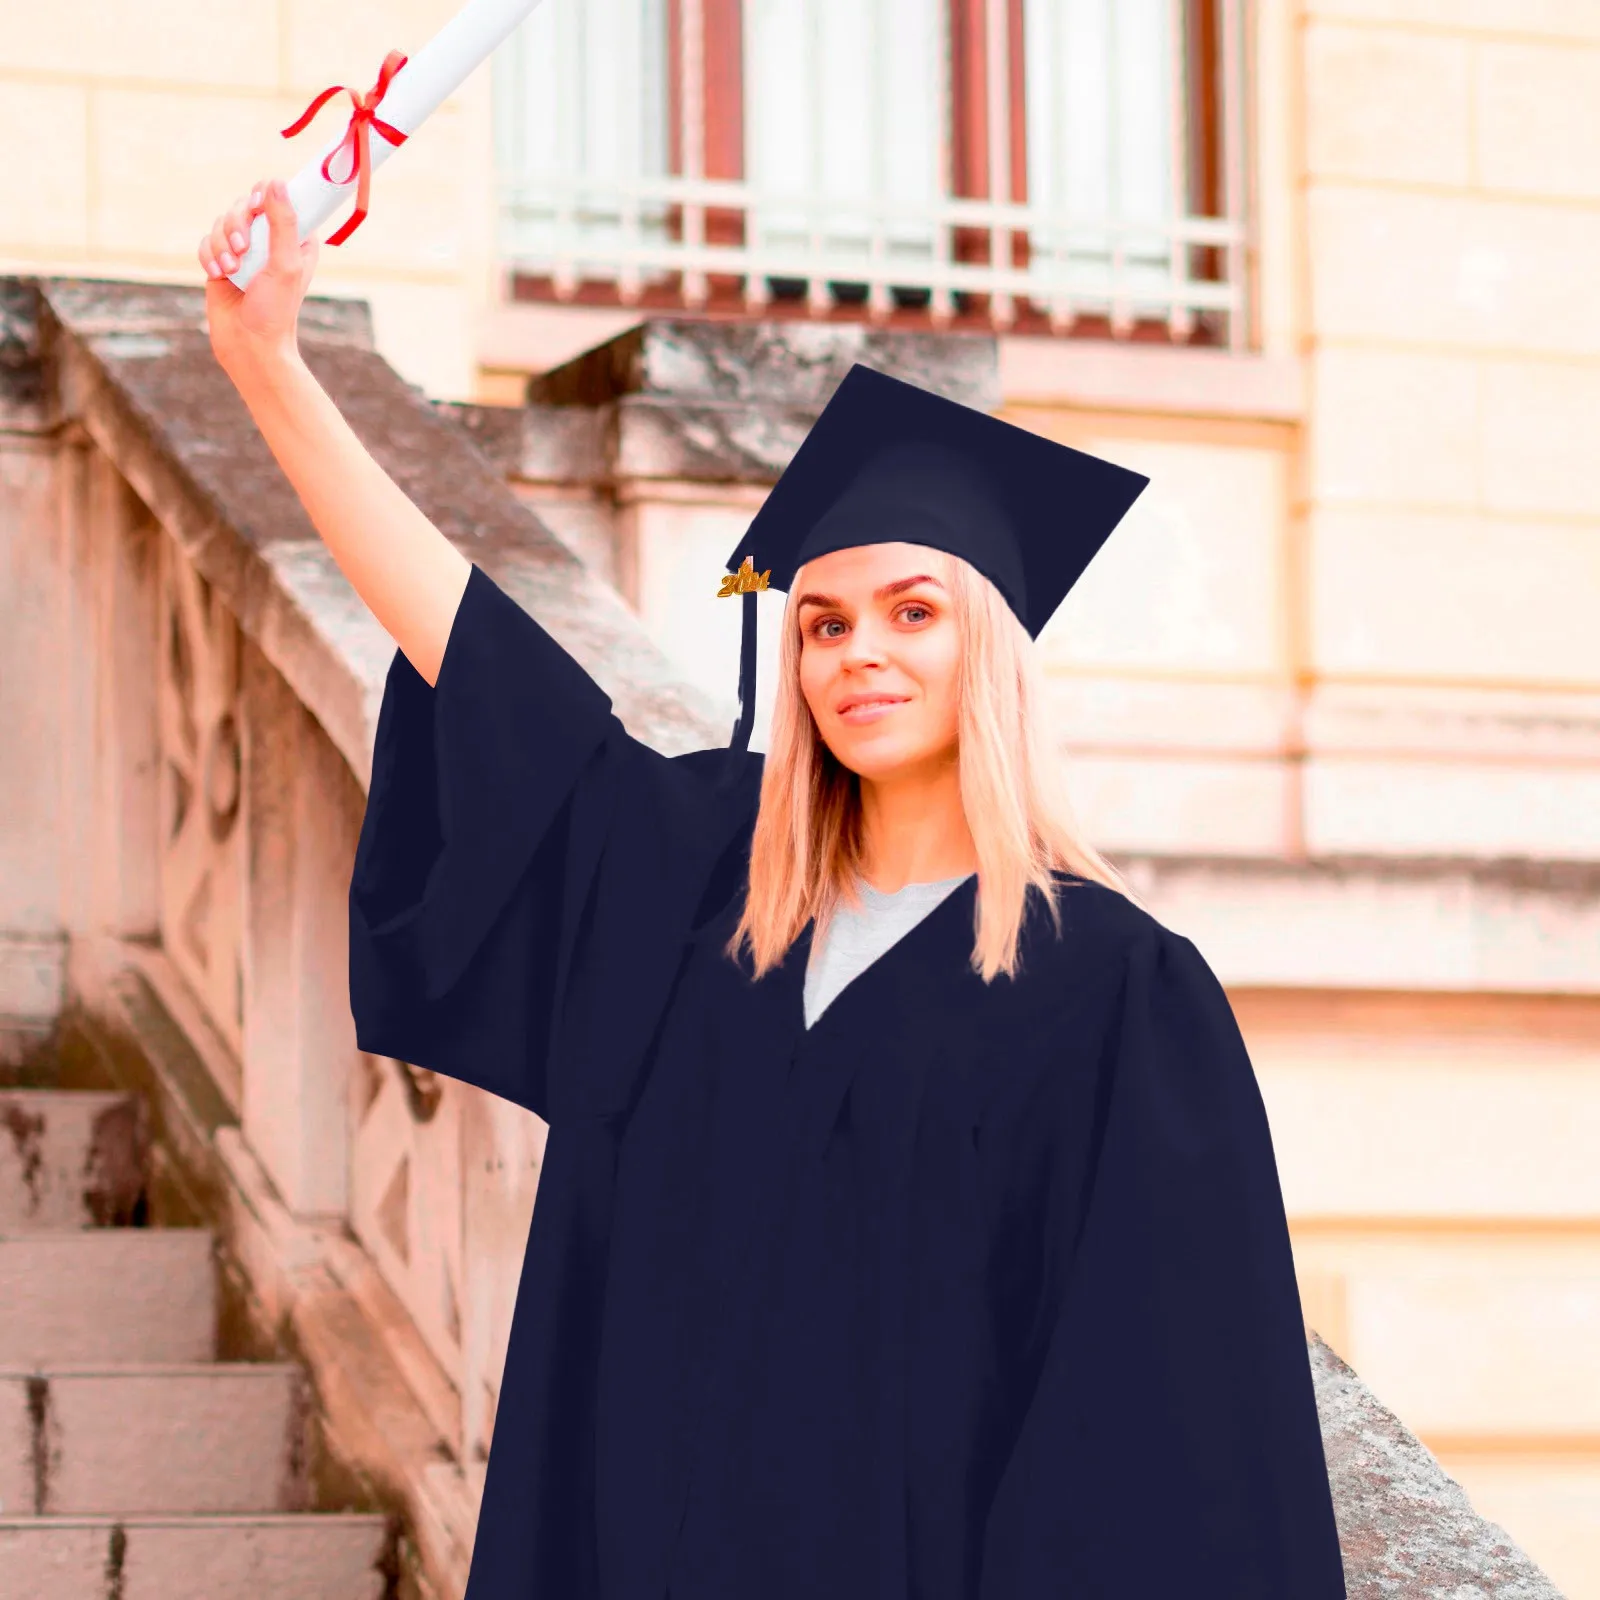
point(356, 135)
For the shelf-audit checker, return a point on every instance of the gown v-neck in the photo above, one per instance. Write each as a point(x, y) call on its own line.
point(857, 932)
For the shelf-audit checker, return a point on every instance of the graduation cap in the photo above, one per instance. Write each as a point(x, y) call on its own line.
point(888, 462)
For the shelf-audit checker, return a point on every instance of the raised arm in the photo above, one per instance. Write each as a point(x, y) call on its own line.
point(523, 859)
point(410, 576)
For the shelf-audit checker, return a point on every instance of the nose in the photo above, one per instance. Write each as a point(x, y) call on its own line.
point(865, 645)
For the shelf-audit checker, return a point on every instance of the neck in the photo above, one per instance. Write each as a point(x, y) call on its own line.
point(914, 829)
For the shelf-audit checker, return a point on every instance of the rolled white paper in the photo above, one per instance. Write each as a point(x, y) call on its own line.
point(415, 91)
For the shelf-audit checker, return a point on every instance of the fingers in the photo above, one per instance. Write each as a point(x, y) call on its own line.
point(224, 247)
point(220, 242)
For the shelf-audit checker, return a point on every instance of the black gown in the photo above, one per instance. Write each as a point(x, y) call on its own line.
point(967, 1292)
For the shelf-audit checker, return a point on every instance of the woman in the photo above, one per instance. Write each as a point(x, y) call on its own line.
point(908, 1223)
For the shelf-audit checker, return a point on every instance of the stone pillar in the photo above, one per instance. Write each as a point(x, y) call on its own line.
point(299, 1039)
point(115, 863)
point(31, 657)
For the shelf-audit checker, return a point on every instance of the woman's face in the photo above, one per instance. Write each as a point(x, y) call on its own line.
point(879, 656)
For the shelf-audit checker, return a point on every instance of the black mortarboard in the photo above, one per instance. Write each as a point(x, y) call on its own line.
point(887, 462)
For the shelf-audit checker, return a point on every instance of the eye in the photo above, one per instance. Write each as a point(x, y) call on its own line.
point(911, 606)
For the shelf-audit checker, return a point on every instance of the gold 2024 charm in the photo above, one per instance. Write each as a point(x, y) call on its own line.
point(745, 579)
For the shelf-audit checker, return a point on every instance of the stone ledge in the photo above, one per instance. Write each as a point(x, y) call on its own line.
point(126, 306)
point(703, 401)
point(535, 443)
point(130, 313)
point(1097, 375)
point(798, 364)
point(705, 442)
point(1431, 720)
point(1577, 882)
point(635, 438)
point(1440, 924)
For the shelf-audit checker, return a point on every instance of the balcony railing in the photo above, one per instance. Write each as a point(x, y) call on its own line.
point(1083, 171)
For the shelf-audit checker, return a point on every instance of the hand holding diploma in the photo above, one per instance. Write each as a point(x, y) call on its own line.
point(407, 90)
point(249, 330)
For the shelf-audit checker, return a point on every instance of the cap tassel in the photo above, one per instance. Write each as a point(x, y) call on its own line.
point(740, 742)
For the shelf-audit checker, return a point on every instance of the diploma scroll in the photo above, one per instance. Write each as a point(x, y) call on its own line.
point(405, 102)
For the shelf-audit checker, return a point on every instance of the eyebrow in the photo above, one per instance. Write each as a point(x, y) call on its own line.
point(897, 587)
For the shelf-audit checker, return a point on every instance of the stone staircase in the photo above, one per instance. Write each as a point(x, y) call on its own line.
point(134, 1463)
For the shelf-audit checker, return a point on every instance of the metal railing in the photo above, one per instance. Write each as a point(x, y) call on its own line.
point(846, 198)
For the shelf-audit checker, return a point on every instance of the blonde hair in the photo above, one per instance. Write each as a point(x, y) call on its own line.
point(807, 846)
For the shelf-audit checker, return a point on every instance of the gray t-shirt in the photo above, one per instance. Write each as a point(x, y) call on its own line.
point(855, 939)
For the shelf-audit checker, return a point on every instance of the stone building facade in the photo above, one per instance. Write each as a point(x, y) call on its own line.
point(1332, 695)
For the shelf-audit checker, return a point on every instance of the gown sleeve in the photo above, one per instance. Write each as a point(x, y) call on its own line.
point(1169, 1442)
point(486, 891)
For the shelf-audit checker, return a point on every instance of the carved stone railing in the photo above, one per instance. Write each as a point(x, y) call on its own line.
point(213, 743)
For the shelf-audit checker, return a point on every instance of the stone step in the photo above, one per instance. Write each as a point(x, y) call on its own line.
point(107, 1295)
point(317, 1556)
point(157, 1439)
point(71, 1158)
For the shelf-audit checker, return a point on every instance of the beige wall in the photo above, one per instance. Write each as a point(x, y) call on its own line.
point(1452, 510)
point(1453, 206)
point(128, 127)
point(1452, 551)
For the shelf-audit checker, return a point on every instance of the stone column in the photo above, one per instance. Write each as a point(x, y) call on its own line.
point(301, 810)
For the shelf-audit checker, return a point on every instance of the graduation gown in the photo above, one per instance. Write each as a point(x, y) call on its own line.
point(968, 1292)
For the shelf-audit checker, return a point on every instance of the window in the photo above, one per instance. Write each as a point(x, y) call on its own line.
point(1040, 165)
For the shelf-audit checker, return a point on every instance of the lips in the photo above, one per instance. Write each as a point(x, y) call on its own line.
point(859, 702)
